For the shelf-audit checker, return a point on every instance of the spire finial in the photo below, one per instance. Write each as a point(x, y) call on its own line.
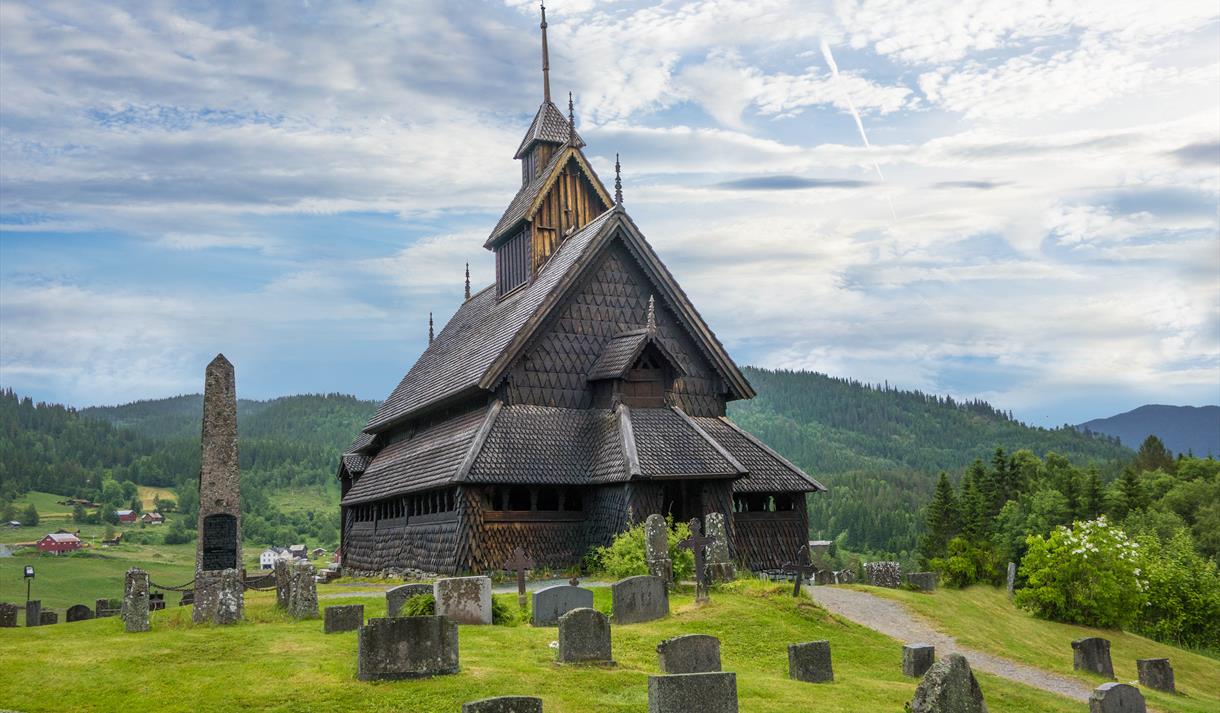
point(430, 335)
point(618, 182)
point(467, 280)
point(652, 312)
point(571, 121)
point(546, 61)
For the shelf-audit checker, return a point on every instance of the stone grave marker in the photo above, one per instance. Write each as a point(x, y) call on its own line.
point(691, 653)
point(656, 548)
point(504, 704)
point(8, 615)
point(1092, 654)
point(520, 563)
point(394, 598)
point(78, 612)
point(917, 659)
point(47, 617)
point(281, 570)
point(584, 637)
point(883, 574)
point(33, 612)
point(640, 598)
point(465, 600)
point(949, 686)
point(1156, 674)
point(719, 563)
point(1117, 698)
point(686, 692)
point(810, 662)
point(156, 601)
point(187, 599)
point(923, 581)
point(550, 603)
point(1012, 577)
point(406, 647)
point(219, 597)
point(348, 617)
point(107, 607)
point(303, 592)
point(698, 544)
point(219, 546)
point(800, 568)
point(135, 601)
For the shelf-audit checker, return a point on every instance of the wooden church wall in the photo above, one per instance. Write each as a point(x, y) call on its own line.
point(766, 540)
point(427, 543)
point(573, 191)
point(613, 299)
point(556, 540)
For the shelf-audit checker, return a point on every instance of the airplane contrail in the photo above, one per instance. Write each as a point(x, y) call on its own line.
point(851, 105)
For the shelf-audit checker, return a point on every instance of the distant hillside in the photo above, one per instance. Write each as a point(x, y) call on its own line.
point(1184, 429)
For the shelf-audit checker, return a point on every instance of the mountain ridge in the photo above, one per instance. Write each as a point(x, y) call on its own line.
point(1183, 429)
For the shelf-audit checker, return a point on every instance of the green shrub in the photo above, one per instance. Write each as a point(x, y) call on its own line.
point(967, 562)
point(1183, 592)
point(504, 610)
point(625, 557)
point(418, 605)
point(1089, 574)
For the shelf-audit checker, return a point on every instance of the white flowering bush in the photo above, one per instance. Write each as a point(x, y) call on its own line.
point(1088, 574)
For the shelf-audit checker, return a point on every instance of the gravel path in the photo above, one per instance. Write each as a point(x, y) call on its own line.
point(895, 620)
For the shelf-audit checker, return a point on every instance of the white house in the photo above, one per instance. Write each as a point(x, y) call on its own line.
point(266, 560)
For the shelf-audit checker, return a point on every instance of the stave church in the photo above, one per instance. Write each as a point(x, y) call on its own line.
point(573, 397)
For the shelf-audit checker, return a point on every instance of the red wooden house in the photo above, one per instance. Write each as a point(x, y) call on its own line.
point(57, 542)
point(126, 515)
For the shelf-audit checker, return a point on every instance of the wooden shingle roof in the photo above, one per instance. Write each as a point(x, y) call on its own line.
point(769, 471)
point(550, 446)
point(549, 124)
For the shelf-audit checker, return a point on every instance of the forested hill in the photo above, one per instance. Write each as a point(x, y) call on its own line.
point(1183, 429)
point(880, 449)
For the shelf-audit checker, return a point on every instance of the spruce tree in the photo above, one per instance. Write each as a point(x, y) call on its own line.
point(1153, 455)
point(941, 521)
point(973, 507)
point(1132, 491)
point(1093, 500)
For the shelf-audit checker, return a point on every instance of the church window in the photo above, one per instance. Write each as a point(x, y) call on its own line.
point(513, 262)
point(548, 499)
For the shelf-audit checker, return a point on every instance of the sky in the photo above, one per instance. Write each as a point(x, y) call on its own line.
point(1011, 200)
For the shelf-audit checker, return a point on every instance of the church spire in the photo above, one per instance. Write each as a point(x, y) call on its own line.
point(571, 121)
point(546, 61)
point(467, 280)
point(430, 335)
point(618, 182)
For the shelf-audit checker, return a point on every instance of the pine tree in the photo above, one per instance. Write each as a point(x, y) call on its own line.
point(942, 521)
point(973, 507)
point(1093, 500)
point(1132, 491)
point(30, 517)
point(1153, 455)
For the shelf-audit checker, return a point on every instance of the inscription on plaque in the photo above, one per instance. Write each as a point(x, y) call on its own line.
point(219, 542)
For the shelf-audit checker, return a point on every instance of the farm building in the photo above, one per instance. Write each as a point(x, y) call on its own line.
point(57, 542)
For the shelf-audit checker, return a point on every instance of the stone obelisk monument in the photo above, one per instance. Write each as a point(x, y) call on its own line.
point(218, 579)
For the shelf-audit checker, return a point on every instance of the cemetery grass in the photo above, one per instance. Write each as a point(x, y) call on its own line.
point(983, 618)
point(272, 663)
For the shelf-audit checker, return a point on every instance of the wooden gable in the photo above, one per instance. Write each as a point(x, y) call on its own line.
point(571, 196)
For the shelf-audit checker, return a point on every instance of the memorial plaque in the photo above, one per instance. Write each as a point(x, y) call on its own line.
point(219, 542)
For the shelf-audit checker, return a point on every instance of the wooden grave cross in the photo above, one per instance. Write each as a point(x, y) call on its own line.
point(801, 568)
point(697, 543)
point(520, 562)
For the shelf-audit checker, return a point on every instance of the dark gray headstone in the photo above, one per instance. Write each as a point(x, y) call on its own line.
point(810, 662)
point(692, 653)
point(923, 581)
point(584, 637)
point(883, 574)
point(550, 603)
point(219, 597)
point(1092, 654)
point(637, 599)
point(1116, 698)
point(33, 612)
point(917, 659)
point(107, 607)
point(1012, 577)
point(78, 612)
point(465, 600)
point(504, 704)
point(656, 548)
point(46, 618)
point(8, 615)
point(406, 647)
point(348, 617)
point(949, 687)
point(303, 592)
point(135, 601)
point(219, 543)
point(719, 563)
point(395, 597)
point(686, 692)
point(281, 570)
point(1156, 674)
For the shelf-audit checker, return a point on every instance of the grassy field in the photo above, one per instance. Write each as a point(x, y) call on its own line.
point(983, 618)
point(271, 663)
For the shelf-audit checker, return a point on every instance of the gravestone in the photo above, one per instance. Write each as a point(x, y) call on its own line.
point(1116, 698)
point(1012, 577)
point(33, 612)
point(504, 704)
point(156, 601)
point(923, 581)
point(719, 563)
point(465, 600)
point(640, 598)
point(394, 598)
point(1092, 654)
point(348, 617)
point(218, 597)
point(550, 603)
point(800, 569)
point(520, 563)
point(1156, 674)
point(656, 548)
point(303, 592)
point(281, 570)
point(698, 543)
point(917, 659)
point(107, 607)
point(8, 615)
point(810, 662)
point(406, 647)
point(949, 687)
point(78, 612)
point(584, 637)
point(686, 692)
point(883, 574)
point(46, 618)
point(692, 653)
point(135, 601)
point(187, 599)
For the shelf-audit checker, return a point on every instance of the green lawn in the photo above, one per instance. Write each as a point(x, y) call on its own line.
point(983, 618)
point(271, 663)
